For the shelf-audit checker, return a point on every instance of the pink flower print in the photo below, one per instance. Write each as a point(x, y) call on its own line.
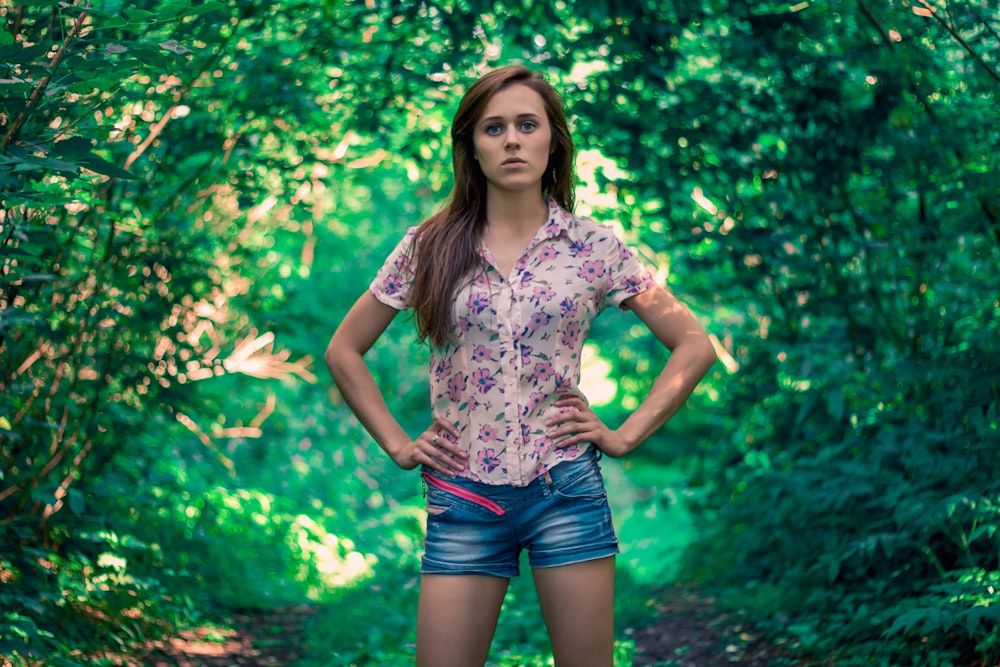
point(581, 249)
point(456, 387)
point(526, 351)
point(548, 253)
point(633, 285)
point(521, 263)
point(542, 445)
point(569, 307)
point(543, 370)
point(481, 280)
point(543, 293)
point(487, 433)
point(571, 334)
point(591, 269)
point(402, 262)
point(442, 369)
point(537, 320)
point(392, 284)
point(463, 324)
point(526, 278)
point(623, 252)
point(534, 400)
point(482, 380)
point(488, 459)
point(478, 301)
point(481, 353)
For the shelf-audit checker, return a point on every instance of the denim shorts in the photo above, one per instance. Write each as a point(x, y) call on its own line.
point(561, 518)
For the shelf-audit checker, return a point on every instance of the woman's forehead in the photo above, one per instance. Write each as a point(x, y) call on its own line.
point(514, 100)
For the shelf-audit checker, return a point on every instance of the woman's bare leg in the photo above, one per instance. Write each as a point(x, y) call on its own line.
point(578, 605)
point(456, 617)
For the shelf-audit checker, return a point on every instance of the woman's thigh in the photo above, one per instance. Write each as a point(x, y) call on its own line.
point(456, 617)
point(578, 606)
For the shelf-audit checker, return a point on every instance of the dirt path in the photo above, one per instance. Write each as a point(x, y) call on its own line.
point(690, 633)
point(271, 639)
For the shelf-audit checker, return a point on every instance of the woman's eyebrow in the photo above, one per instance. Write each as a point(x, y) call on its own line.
point(527, 114)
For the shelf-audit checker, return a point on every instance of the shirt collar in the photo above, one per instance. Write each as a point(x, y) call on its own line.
point(560, 220)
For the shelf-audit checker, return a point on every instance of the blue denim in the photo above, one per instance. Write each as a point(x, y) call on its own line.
point(561, 518)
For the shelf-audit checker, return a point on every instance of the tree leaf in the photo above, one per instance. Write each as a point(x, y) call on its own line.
point(74, 147)
point(34, 163)
point(175, 46)
point(77, 502)
point(102, 166)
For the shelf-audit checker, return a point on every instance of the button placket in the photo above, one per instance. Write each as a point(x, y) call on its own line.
point(508, 351)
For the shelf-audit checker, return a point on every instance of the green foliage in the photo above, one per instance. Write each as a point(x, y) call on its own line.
point(194, 192)
point(857, 484)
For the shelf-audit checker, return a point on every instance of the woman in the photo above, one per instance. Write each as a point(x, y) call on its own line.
point(504, 283)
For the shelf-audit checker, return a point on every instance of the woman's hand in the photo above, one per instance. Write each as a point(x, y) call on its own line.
point(435, 448)
point(577, 423)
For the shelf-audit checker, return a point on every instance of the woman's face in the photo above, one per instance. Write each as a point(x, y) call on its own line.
point(513, 139)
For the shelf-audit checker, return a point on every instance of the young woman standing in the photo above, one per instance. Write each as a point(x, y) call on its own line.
point(504, 283)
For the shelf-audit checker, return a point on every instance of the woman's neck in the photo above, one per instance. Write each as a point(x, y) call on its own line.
point(515, 212)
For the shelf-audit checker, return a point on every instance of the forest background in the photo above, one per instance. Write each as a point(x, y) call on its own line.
point(195, 191)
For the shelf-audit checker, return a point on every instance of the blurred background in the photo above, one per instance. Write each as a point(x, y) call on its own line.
point(194, 192)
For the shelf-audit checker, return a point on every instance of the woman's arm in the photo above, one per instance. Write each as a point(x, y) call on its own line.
point(361, 327)
point(691, 355)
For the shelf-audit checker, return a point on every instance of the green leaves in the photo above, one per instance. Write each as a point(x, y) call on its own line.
point(70, 156)
point(197, 177)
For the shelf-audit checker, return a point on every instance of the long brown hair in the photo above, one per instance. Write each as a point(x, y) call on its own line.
point(445, 249)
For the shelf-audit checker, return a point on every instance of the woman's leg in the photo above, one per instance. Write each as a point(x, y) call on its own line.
point(578, 605)
point(456, 617)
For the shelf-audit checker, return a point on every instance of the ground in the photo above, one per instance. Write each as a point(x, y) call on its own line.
point(263, 639)
point(690, 632)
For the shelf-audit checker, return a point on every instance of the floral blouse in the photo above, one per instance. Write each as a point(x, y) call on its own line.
point(520, 339)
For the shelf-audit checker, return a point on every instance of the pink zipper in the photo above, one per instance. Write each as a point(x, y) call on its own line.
point(462, 493)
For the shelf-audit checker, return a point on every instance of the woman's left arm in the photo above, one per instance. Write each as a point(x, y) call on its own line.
point(691, 355)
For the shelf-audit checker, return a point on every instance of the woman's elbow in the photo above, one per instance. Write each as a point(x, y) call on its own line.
point(335, 357)
point(698, 352)
point(705, 352)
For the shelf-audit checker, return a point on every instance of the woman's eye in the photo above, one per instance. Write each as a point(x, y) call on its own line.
point(494, 129)
point(528, 126)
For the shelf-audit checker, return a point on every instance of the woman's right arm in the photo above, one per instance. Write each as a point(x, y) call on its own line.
point(361, 327)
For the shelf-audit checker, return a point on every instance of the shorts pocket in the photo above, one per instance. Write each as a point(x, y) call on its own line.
point(443, 500)
point(589, 484)
point(436, 510)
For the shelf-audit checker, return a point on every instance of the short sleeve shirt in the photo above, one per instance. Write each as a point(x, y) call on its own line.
point(519, 340)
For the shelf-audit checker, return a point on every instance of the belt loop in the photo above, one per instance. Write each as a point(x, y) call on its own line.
point(548, 478)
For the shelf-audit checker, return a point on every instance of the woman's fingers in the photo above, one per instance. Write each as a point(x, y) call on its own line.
point(573, 426)
point(444, 425)
point(439, 446)
point(444, 436)
point(576, 423)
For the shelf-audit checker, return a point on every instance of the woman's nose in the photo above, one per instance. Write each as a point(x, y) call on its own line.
point(512, 140)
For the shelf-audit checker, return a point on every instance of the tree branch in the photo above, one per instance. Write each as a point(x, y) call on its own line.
point(43, 83)
point(874, 21)
point(958, 38)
